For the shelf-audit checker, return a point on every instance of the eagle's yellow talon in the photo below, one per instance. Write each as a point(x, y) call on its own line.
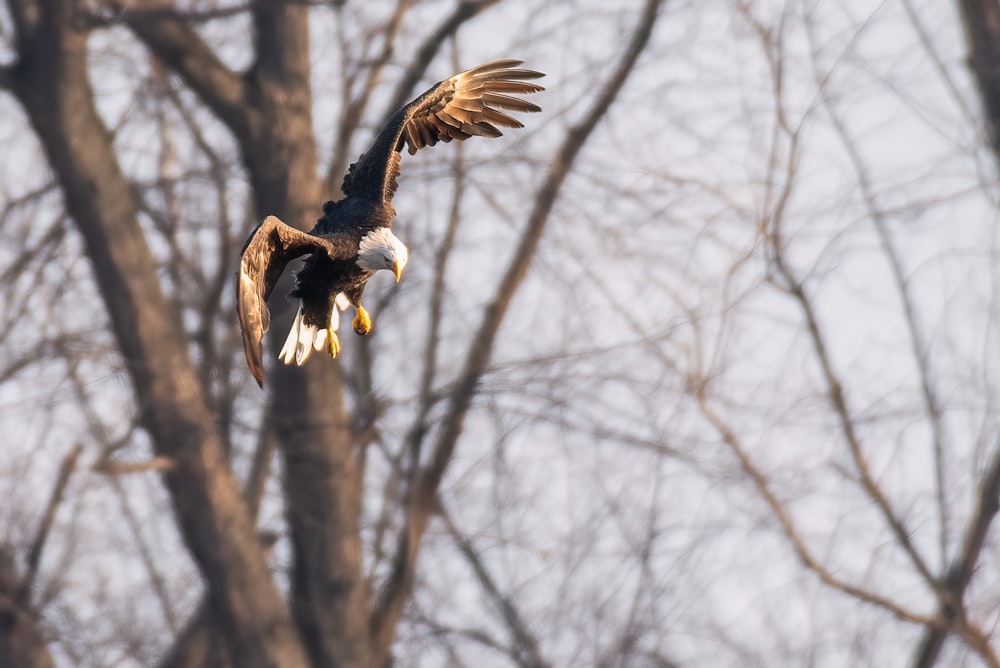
point(362, 322)
point(333, 342)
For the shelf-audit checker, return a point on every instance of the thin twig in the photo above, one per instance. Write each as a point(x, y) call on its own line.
point(525, 649)
point(793, 535)
point(45, 526)
point(352, 110)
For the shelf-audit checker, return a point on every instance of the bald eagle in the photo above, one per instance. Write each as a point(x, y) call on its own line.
point(354, 238)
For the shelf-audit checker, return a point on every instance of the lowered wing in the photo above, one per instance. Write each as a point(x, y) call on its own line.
point(270, 247)
point(463, 106)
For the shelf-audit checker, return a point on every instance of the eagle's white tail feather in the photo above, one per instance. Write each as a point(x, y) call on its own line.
point(301, 339)
point(287, 353)
point(303, 348)
point(304, 338)
point(320, 339)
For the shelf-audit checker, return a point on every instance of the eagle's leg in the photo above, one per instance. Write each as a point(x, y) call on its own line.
point(362, 321)
point(332, 342)
point(337, 304)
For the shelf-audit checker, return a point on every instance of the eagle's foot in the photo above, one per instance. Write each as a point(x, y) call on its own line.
point(362, 322)
point(332, 342)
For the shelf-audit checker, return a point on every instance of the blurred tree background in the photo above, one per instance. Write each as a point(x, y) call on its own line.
point(698, 368)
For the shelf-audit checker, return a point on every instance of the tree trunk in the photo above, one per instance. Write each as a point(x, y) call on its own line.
point(269, 111)
point(981, 20)
point(50, 79)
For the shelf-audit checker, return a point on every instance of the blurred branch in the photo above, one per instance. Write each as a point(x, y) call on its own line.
point(699, 391)
point(920, 350)
point(979, 641)
point(417, 433)
point(25, 255)
point(40, 351)
point(199, 642)
point(207, 14)
point(353, 109)
point(260, 467)
point(31, 196)
point(626, 650)
point(838, 401)
point(918, 346)
point(961, 571)
point(184, 51)
point(157, 581)
point(154, 465)
point(116, 14)
point(390, 502)
point(198, 645)
point(463, 12)
point(211, 364)
point(525, 651)
point(785, 279)
point(482, 345)
point(18, 295)
point(446, 634)
point(956, 95)
point(981, 20)
point(34, 558)
point(101, 435)
point(422, 497)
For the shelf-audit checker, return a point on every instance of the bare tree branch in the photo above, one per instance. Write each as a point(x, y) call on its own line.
point(352, 110)
point(154, 465)
point(788, 528)
point(156, 579)
point(921, 354)
point(422, 497)
point(847, 423)
point(34, 557)
point(525, 649)
point(177, 44)
point(792, 284)
point(117, 14)
point(961, 571)
point(260, 466)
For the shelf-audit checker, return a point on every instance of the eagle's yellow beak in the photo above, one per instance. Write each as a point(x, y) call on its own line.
point(397, 270)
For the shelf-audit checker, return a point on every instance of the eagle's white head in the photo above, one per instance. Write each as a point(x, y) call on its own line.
point(381, 249)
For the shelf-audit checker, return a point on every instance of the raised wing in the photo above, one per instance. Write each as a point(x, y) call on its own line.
point(268, 249)
point(463, 106)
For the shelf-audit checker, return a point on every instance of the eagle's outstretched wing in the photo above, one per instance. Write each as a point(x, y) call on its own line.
point(266, 252)
point(456, 108)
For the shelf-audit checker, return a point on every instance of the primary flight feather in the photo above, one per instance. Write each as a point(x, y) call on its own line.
point(354, 238)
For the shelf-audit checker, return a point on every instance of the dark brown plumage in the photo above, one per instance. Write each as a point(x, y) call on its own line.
point(353, 240)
